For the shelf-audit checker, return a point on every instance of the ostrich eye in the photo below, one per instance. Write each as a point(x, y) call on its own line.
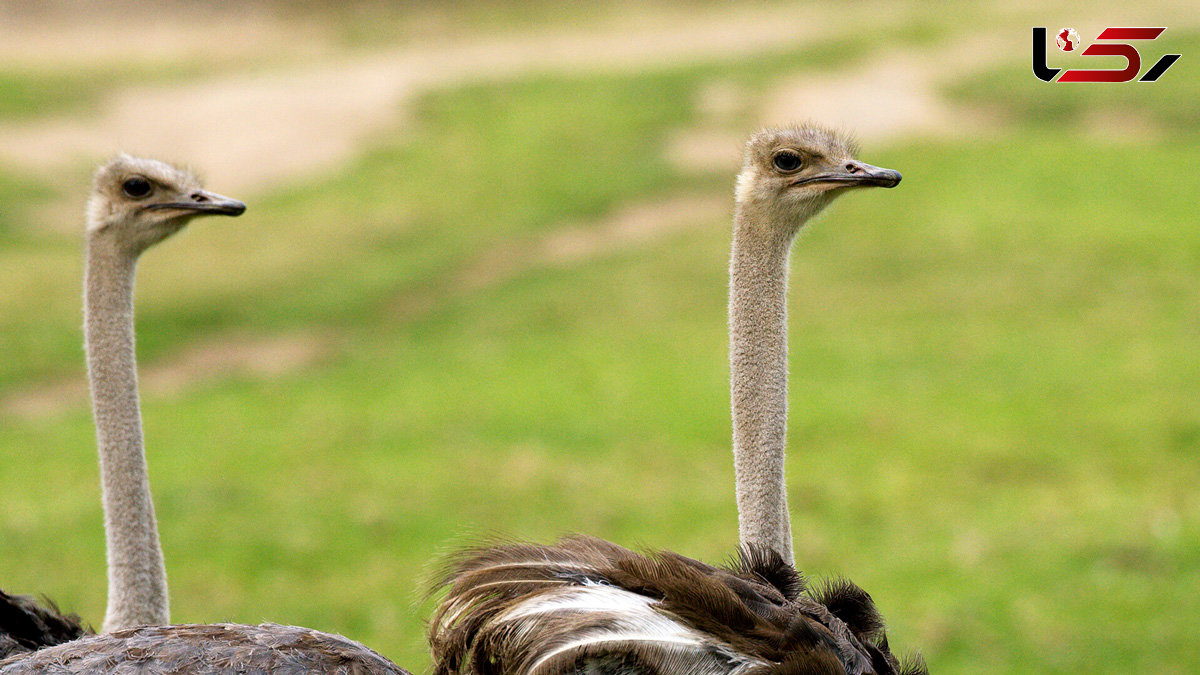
point(788, 162)
point(137, 187)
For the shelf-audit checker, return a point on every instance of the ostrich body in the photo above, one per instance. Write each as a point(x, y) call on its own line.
point(205, 648)
point(135, 204)
point(587, 606)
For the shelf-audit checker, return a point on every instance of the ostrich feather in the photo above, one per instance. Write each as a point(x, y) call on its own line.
point(27, 625)
point(590, 607)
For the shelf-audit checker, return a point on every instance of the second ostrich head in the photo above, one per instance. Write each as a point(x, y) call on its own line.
point(139, 202)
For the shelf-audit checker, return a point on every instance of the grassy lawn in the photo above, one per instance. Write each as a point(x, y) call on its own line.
point(995, 424)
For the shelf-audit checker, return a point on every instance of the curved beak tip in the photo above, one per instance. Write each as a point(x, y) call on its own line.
point(890, 179)
point(879, 176)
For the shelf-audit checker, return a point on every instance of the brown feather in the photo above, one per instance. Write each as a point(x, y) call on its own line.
point(586, 606)
point(852, 605)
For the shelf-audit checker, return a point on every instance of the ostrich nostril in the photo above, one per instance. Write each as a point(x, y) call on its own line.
point(199, 197)
point(853, 168)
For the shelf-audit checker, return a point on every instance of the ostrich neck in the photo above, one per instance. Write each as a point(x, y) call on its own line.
point(758, 378)
point(137, 583)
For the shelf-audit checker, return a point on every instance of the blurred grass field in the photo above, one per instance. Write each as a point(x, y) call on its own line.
point(994, 428)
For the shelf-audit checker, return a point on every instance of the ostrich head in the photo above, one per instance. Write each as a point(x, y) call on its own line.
point(789, 174)
point(139, 202)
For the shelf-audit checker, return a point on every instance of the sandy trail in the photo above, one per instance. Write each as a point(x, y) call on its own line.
point(203, 362)
point(891, 95)
point(251, 131)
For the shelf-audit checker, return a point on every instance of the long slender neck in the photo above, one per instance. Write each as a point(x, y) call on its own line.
point(758, 272)
point(137, 579)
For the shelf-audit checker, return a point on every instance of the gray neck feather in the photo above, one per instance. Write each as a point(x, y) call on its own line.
point(137, 579)
point(758, 375)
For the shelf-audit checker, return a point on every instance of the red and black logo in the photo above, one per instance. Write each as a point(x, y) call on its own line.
point(1068, 41)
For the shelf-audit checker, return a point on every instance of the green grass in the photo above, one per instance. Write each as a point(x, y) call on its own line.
point(25, 95)
point(995, 427)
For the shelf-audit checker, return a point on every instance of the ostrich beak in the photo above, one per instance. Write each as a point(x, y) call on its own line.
point(203, 202)
point(855, 173)
point(866, 174)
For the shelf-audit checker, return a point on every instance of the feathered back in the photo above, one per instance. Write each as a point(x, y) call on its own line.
point(26, 625)
point(591, 607)
point(208, 648)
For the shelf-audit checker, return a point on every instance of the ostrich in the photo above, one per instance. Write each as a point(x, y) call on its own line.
point(135, 204)
point(587, 606)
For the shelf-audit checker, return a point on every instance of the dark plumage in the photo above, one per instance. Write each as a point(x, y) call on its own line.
point(588, 606)
point(27, 625)
point(209, 648)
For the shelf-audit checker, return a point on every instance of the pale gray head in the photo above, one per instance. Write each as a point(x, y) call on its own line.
point(794, 172)
point(139, 202)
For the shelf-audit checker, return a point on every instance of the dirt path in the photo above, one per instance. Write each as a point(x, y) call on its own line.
point(201, 363)
point(256, 130)
point(253, 131)
point(891, 95)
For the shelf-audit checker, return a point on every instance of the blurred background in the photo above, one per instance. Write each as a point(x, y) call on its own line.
point(481, 288)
